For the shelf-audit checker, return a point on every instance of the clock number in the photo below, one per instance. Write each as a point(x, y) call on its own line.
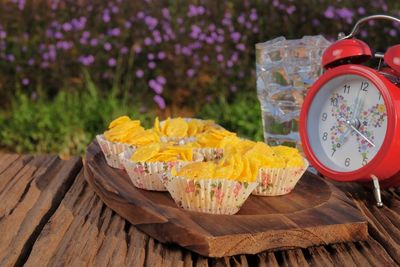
point(346, 89)
point(347, 162)
point(365, 161)
point(364, 86)
point(325, 136)
point(333, 151)
point(324, 116)
point(334, 101)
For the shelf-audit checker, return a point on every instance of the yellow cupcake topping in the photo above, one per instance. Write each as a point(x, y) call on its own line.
point(163, 152)
point(180, 128)
point(242, 161)
point(125, 130)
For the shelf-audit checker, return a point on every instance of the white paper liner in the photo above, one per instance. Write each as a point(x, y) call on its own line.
point(215, 196)
point(111, 151)
point(148, 175)
point(278, 181)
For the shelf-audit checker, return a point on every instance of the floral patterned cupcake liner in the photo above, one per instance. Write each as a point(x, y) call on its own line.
point(278, 181)
point(111, 151)
point(148, 175)
point(215, 196)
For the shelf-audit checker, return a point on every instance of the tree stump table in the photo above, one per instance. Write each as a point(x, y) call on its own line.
point(50, 216)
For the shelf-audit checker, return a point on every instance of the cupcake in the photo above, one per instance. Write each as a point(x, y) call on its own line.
point(280, 169)
point(148, 165)
point(210, 187)
point(123, 134)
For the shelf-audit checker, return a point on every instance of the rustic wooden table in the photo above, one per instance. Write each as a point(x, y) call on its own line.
point(50, 216)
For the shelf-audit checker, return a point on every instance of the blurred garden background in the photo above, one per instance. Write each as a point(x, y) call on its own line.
point(68, 67)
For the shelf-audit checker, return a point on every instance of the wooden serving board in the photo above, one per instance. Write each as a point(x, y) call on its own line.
point(315, 213)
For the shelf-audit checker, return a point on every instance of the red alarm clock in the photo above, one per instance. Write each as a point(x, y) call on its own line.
point(350, 118)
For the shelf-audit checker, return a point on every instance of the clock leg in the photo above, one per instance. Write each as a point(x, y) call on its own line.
point(377, 191)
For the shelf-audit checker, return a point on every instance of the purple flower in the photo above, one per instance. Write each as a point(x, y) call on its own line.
point(150, 22)
point(160, 101)
point(140, 15)
point(195, 31)
point(3, 34)
point(86, 60)
point(67, 27)
point(161, 55)
point(361, 10)
point(137, 49)
point(253, 15)
point(150, 56)
point(148, 41)
point(128, 24)
point(112, 62)
point(190, 73)
point(58, 35)
point(151, 65)
point(79, 24)
point(291, 9)
point(85, 34)
point(124, 50)
point(205, 59)
point(25, 81)
point(241, 19)
point(21, 4)
point(155, 86)
point(220, 58)
point(31, 61)
point(114, 32)
point(106, 16)
point(233, 88)
point(392, 32)
point(235, 36)
point(345, 13)
point(241, 47)
point(107, 46)
point(161, 80)
point(93, 42)
point(114, 9)
point(11, 57)
point(329, 12)
point(165, 13)
point(139, 73)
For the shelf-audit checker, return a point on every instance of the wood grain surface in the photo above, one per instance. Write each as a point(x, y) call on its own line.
point(81, 230)
point(314, 213)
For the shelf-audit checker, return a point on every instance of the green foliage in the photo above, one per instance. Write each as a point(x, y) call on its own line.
point(65, 125)
point(241, 114)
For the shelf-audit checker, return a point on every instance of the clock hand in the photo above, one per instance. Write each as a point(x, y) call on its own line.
point(348, 124)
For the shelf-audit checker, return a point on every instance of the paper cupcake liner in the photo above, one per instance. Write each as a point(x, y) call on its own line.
point(148, 175)
point(215, 196)
point(111, 151)
point(278, 181)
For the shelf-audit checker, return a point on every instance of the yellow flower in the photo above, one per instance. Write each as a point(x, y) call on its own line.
point(381, 108)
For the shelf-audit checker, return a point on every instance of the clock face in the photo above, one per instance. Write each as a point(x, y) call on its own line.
point(347, 123)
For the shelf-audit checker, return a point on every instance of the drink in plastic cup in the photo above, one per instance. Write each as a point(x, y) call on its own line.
point(286, 69)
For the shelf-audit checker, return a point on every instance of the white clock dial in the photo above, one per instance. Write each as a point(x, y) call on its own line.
point(346, 123)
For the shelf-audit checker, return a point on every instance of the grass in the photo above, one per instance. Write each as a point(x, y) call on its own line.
point(67, 123)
